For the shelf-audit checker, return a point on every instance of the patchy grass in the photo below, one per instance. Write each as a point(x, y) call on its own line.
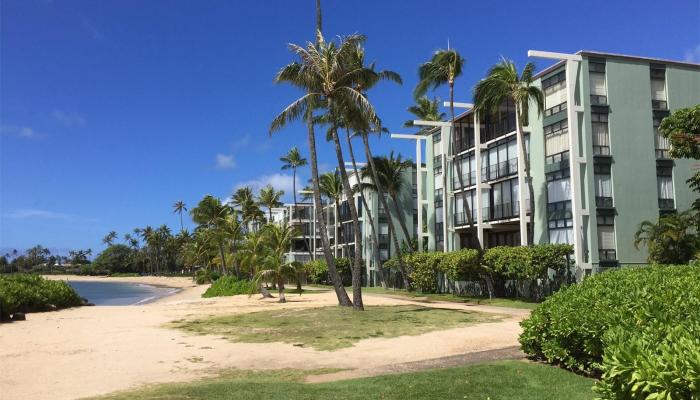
point(495, 381)
point(330, 328)
point(417, 296)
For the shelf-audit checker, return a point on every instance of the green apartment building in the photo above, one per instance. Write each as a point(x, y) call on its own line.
point(598, 162)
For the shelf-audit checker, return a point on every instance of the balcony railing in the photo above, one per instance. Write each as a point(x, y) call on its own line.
point(666, 204)
point(601, 150)
point(599, 100)
point(460, 218)
point(468, 179)
point(556, 109)
point(659, 105)
point(500, 170)
point(383, 237)
point(662, 153)
point(607, 255)
point(603, 202)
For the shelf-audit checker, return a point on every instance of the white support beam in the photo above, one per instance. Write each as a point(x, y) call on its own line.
point(408, 136)
point(554, 56)
point(458, 104)
point(418, 122)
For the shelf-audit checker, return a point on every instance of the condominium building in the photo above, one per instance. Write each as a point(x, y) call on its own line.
point(598, 163)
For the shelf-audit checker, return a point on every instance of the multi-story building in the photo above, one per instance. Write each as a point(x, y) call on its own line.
point(599, 165)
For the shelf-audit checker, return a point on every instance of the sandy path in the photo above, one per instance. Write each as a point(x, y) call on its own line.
point(89, 351)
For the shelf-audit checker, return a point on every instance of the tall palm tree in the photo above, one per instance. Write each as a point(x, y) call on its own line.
point(425, 110)
point(322, 72)
point(293, 160)
point(178, 208)
point(504, 83)
point(275, 267)
point(444, 68)
point(332, 188)
point(110, 238)
point(270, 198)
point(211, 215)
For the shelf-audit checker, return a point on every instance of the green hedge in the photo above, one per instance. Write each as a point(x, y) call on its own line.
point(30, 293)
point(639, 328)
point(228, 285)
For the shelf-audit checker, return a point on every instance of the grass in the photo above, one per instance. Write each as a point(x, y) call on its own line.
point(497, 302)
point(330, 328)
point(495, 381)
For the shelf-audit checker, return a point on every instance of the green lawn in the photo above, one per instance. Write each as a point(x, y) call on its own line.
point(329, 328)
point(497, 302)
point(495, 381)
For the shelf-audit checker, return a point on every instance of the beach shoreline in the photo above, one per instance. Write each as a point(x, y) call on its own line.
point(177, 283)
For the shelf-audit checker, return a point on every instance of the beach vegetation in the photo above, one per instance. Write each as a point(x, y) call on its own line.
point(31, 293)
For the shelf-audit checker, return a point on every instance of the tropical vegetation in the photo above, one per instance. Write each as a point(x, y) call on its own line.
point(31, 293)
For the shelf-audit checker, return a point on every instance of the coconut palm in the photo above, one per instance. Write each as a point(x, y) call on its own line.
point(504, 83)
point(211, 215)
point(332, 189)
point(444, 68)
point(110, 238)
point(270, 198)
point(425, 110)
point(671, 240)
point(178, 208)
point(244, 200)
point(293, 160)
point(274, 266)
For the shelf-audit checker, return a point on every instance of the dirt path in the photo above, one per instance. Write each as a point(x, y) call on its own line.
point(89, 351)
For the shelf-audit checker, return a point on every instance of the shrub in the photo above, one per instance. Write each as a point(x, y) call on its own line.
point(344, 267)
point(205, 275)
point(461, 265)
point(317, 271)
point(638, 327)
point(424, 269)
point(228, 285)
point(30, 293)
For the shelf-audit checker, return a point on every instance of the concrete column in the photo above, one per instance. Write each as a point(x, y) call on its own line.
point(477, 193)
point(443, 144)
point(419, 194)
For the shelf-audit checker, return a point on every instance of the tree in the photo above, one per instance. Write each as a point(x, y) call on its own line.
point(332, 188)
point(79, 257)
point(270, 198)
point(672, 240)
point(390, 171)
point(244, 200)
point(275, 267)
point(504, 83)
point(300, 74)
point(682, 129)
point(116, 258)
point(110, 238)
point(425, 110)
point(293, 160)
point(178, 208)
point(211, 214)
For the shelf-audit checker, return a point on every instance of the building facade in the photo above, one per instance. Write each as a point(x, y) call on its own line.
point(598, 162)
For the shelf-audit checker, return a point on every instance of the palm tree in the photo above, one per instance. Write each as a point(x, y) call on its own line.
point(332, 188)
point(178, 208)
point(425, 110)
point(444, 68)
point(504, 83)
point(244, 200)
point(275, 267)
point(671, 240)
point(300, 75)
point(270, 198)
point(390, 171)
point(110, 238)
point(293, 160)
point(211, 215)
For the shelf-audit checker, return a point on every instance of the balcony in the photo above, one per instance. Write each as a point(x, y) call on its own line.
point(607, 255)
point(659, 105)
point(604, 202)
point(599, 100)
point(601, 150)
point(555, 110)
point(468, 179)
point(500, 170)
point(437, 161)
point(460, 218)
point(666, 204)
point(662, 154)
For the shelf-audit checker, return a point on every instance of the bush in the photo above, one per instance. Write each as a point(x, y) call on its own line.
point(424, 269)
point(30, 293)
point(205, 275)
point(228, 285)
point(344, 267)
point(317, 271)
point(638, 327)
point(462, 265)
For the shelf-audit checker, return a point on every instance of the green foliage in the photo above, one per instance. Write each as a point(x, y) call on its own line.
point(228, 286)
point(344, 267)
point(29, 293)
point(116, 258)
point(638, 326)
point(424, 268)
point(461, 265)
point(527, 263)
point(317, 271)
point(205, 275)
point(672, 240)
point(682, 128)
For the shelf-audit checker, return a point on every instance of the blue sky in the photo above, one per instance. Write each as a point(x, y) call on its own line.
point(110, 111)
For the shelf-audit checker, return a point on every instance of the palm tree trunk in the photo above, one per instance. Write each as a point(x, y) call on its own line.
point(340, 292)
point(280, 290)
point(385, 206)
point(357, 264)
point(223, 258)
point(182, 227)
point(402, 223)
point(530, 230)
point(374, 239)
point(336, 206)
point(465, 205)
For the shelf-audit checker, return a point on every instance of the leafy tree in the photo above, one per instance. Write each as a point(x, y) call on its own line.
point(79, 257)
point(211, 215)
point(671, 240)
point(178, 208)
point(274, 266)
point(682, 129)
point(116, 258)
point(503, 83)
point(332, 189)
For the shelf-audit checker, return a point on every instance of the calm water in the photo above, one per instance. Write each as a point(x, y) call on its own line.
point(119, 293)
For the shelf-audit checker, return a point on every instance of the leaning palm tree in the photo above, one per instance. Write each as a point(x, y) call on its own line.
point(274, 265)
point(503, 83)
point(293, 160)
point(178, 208)
point(270, 198)
point(425, 110)
point(444, 68)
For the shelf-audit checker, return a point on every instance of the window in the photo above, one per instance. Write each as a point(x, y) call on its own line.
point(603, 185)
point(560, 223)
point(505, 199)
point(601, 136)
point(599, 94)
point(559, 190)
point(660, 142)
point(664, 182)
point(606, 243)
point(658, 88)
point(556, 138)
point(438, 198)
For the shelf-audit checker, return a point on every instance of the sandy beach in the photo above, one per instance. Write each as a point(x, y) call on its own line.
point(89, 351)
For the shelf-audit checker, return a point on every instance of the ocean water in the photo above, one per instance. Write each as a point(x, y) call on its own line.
point(119, 293)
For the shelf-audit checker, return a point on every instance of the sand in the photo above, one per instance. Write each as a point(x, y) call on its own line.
point(89, 351)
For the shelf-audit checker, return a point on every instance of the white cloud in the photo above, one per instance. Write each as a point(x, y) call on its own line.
point(24, 213)
point(693, 55)
point(282, 182)
point(68, 119)
point(21, 131)
point(225, 161)
point(242, 142)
